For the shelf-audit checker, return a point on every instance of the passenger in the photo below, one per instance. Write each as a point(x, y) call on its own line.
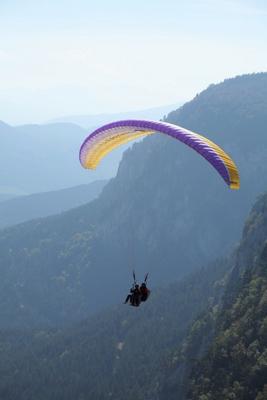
point(145, 292)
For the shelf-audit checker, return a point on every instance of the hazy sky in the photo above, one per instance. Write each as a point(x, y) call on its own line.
point(82, 57)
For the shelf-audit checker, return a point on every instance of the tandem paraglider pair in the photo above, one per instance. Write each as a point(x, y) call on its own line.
point(138, 294)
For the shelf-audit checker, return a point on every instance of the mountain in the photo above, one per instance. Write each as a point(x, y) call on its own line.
point(40, 205)
point(235, 365)
point(41, 158)
point(122, 350)
point(86, 121)
point(6, 196)
point(166, 212)
point(223, 355)
point(202, 338)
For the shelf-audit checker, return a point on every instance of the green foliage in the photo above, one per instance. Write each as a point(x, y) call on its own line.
point(235, 366)
point(124, 350)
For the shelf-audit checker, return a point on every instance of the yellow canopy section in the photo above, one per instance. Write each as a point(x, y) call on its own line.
point(111, 140)
point(228, 162)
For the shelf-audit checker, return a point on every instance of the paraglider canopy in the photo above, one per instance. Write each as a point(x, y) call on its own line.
point(106, 138)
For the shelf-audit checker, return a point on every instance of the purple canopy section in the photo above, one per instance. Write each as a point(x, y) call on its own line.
point(189, 138)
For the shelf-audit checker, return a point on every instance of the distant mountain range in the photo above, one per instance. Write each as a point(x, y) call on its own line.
point(6, 196)
point(40, 205)
point(87, 121)
point(41, 158)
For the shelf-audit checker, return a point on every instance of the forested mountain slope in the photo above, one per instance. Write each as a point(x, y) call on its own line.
point(229, 340)
point(40, 205)
point(236, 363)
point(123, 350)
point(202, 338)
point(167, 211)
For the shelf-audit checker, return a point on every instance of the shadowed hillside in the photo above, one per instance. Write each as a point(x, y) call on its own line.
point(41, 158)
point(202, 338)
point(24, 208)
point(224, 353)
point(122, 350)
point(236, 363)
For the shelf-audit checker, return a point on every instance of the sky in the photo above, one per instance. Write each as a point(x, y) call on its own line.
point(62, 57)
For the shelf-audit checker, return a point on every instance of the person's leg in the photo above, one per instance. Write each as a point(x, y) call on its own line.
point(133, 303)
point(127, 298)
point(136, 300)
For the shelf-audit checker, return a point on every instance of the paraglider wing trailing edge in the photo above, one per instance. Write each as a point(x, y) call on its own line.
point(106, 138)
